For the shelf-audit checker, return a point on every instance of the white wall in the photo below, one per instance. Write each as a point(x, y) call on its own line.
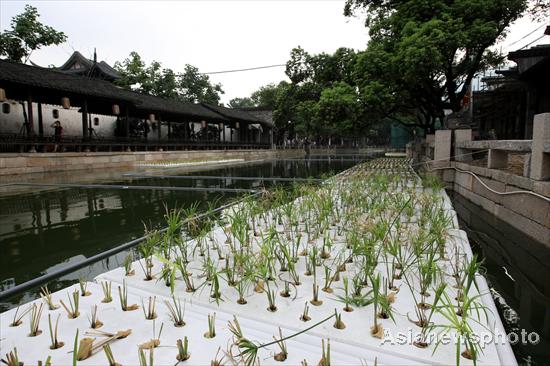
point(71, 120)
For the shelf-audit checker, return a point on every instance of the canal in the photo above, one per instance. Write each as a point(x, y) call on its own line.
point(43, 231)
point(517, 269)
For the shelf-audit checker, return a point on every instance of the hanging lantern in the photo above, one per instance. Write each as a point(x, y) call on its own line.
point(203, 124)
point(116, 109)
point(2, 95)
point(237, 125)
point(65, 103)
point(151, 117)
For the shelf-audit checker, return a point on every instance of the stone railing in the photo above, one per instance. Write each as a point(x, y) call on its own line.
point(438, 149)
point(487, 173)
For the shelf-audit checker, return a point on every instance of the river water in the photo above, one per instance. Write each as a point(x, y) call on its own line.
point(42, 231)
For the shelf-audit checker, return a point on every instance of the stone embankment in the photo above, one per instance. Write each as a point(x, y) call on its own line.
point(25, 163)
point(508, 178)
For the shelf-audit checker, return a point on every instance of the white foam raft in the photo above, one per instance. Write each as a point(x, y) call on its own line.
point(184, 164)
point(353, 345)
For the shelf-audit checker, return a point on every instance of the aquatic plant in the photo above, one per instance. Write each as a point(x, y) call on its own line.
point(146, 250)
point(305, 314)
point(217, 361)
point(380, 304)
point(211, 333)
point(46, 295)
point(248, 350)
point(18, 317)
point(34, 321)
point(74, 301)
point(325, 358)
point(176, 312)
point(83, 287)
point(315, 300)
point(271, 299)
point(149, 311)
point(123, 297)
point(421, 342)
point(328, 280)
point(53, 333)
point(155, 340)
point(106, 286)
point(183, 349)
point(128, 260)
point(460, 325)
point(12, 358)
point(283, 354)
point(143, 359)
point(94, 320)
point(109, 354)
point(338, 323)
point(48, 362)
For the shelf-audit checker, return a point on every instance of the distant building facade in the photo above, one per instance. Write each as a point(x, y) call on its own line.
point(81, 95)
point(505, 109)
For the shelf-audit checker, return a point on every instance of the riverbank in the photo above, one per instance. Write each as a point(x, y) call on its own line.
point(25, 163)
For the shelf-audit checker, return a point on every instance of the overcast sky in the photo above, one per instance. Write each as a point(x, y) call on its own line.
point(212, 35)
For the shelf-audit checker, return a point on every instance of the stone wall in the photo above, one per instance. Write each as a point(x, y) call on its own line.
point(530, 213)
point(24, 163)
point(525, 212)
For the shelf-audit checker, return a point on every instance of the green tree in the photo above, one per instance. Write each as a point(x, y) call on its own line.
point(196, 87)
point(189, 86)
point(266, 96)
point(322, 99)
point(423, 55)
point(241, 103)
point(26, 35)
point(340, 109)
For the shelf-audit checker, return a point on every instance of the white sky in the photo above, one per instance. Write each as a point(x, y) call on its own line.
point(212, 35)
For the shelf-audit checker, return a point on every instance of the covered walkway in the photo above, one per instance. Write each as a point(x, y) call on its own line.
point(138, 121)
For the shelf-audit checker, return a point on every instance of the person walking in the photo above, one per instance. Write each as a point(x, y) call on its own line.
point(307, 146)
point(58, 131)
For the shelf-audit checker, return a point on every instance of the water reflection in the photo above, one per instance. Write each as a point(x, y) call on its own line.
point(46, 230)
point(518, 269)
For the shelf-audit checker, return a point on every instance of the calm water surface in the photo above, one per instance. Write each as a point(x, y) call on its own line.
point(518, 272)
point(44, 231)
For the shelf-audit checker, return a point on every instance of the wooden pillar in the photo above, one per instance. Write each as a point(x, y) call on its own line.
point(159, 123)
point(40, 121)
point(127, 125)
point(85, 119)
point(223, 132)
point(30, 124)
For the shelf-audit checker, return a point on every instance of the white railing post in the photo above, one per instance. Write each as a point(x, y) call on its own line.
point(540, 149)
point(442, 151)
point(462, 136)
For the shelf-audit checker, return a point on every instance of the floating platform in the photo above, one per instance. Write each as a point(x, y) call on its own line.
point(263, 320)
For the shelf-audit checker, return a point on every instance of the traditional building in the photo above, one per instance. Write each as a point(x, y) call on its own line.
point(505, 108)
point(96, 114)
point(77, 64)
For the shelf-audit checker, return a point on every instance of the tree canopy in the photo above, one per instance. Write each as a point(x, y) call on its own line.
point(323, 100)
point(245, 102)
point(189, 86)
point(26, 35)
point(423, 55)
